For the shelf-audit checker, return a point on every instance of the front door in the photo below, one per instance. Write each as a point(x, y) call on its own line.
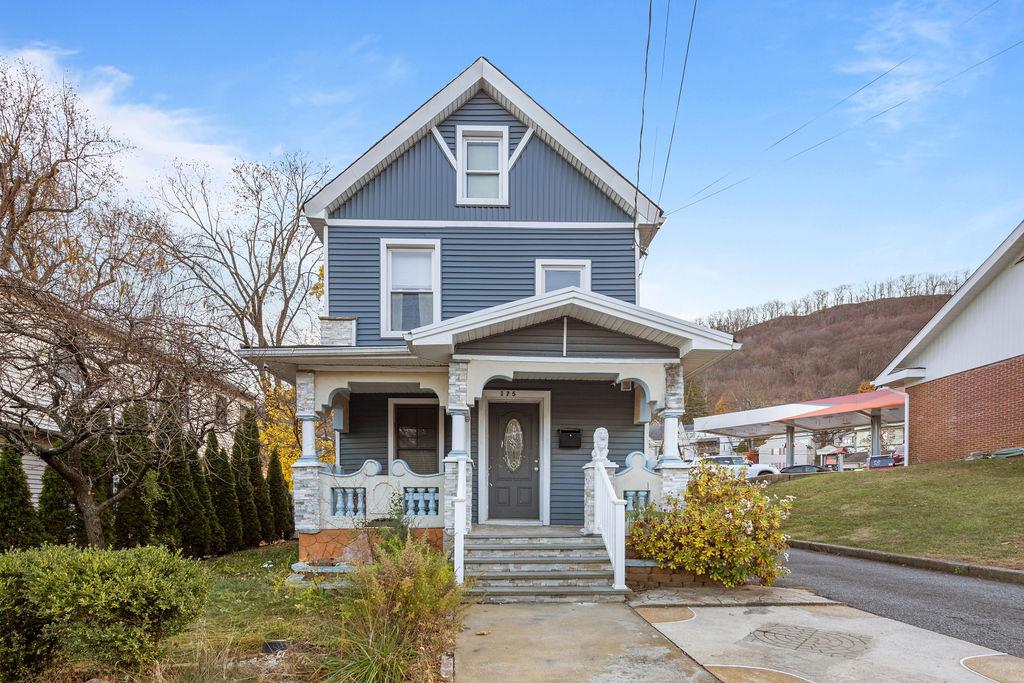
point(513, 461)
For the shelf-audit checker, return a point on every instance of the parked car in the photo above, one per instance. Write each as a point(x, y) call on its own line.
point(741, 466)
point(881, 462)
point(802, 469)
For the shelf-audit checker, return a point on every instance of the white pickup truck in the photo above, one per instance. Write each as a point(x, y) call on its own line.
point(739, 465)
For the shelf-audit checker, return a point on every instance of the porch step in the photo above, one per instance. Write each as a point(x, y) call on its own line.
point(505, 594)
point(553, 564)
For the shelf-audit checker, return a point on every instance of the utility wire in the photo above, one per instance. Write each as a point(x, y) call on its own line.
point(874, 116)
point(850, 96)
point(643, 101)
point(679, 98)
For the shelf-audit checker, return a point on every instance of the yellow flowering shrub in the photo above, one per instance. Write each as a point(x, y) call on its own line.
point(726, 529)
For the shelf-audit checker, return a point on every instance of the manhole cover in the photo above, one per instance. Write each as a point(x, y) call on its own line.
point(806, 639)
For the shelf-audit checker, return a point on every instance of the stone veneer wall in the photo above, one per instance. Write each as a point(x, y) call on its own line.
point(331, 545)
point(337, 331)
point(642, 575)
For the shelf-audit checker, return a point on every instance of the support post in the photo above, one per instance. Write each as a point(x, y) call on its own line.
point(790, 445)
point(598, 458)
point(306, 490)
point(906, 428)
point(876, 434)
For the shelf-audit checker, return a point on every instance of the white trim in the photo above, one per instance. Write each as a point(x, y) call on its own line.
point(326, 308)
point(565, 336)
point(444, 147)
point(386, 245)
point(543, 398)
point(468, 134)
point(392, 447)
point(544, 225)
point(519, 148)
point(542, 264)
point(559, 360)
point(481, 74)
point(1004, 255)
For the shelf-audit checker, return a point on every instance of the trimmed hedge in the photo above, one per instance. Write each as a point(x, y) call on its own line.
point(108, 606)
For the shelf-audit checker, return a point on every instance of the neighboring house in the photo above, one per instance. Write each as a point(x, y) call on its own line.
point(964, 371)
point(773, 451)
point(481, 285)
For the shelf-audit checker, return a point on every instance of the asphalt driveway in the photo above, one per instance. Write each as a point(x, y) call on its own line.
point(987, 613)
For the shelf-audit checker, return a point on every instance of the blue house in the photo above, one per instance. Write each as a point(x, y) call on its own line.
point(481, 326)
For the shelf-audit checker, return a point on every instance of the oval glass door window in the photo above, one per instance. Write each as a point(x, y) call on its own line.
point(512, 444)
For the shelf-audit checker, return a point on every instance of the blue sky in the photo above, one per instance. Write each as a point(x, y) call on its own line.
point(933, 185)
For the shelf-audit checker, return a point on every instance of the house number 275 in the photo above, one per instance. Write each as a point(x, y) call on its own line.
point(508, 393)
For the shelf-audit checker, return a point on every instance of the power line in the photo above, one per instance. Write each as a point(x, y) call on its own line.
point(643, 112)
point(850, 96)
point(874, 116)
point(679, 98)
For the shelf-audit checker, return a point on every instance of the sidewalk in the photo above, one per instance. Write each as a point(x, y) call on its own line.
point(786, 634)
point(598, 643)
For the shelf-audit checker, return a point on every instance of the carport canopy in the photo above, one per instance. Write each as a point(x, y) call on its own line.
point(867, 409)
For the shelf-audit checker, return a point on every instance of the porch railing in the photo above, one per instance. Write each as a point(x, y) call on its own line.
point(610, 522)
point(458, 553)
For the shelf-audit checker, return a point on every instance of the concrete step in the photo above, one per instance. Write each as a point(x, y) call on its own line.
point(485, 565)
point(566, 579)
point(527, 539)
point(545, 544)
point(511, 554)
point(547, 594)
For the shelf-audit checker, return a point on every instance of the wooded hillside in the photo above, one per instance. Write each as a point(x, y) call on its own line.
point(825, 353)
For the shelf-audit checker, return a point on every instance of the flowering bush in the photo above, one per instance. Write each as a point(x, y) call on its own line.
point(726, 529)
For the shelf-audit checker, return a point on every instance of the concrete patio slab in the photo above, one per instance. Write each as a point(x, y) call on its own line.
point(829, 642)
point(741, 596)
point(601, 643)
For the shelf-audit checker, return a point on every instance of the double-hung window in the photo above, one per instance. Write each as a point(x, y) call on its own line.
point(552, 274)
point(482, 155)
point(410, 285)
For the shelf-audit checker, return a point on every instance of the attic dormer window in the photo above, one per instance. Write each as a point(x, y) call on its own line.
point(482, 156)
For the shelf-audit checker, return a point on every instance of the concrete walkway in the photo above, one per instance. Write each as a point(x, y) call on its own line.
point(601, 643)
point(785, 634)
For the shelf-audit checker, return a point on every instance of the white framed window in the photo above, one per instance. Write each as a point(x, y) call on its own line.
point(552, 274)
point(410, 285)
point(481, 165)
point(416, 434)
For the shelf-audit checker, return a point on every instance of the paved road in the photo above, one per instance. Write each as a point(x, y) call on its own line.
point(987, 613)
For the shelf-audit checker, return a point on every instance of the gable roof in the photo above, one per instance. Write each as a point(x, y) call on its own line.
point(698, 346)
point(482, 75)
point(1005, 255)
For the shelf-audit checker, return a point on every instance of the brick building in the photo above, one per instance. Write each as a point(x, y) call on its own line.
point(964, 371)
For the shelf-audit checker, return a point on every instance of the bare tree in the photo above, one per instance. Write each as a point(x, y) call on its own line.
point(251, 255)
point(53, 162)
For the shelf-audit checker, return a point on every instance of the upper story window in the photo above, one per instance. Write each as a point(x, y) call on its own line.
point(482, 156)
point(410, 295)
point(555, 274)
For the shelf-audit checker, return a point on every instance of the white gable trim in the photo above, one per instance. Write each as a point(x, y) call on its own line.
point(444, 147)
point(519, 148)
point(438, 341)
point(1004, 256)
point(484, 75)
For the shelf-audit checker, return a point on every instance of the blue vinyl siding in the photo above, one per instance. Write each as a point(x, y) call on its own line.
point(574, 405)
point(481, 110)
point(420, 185)
point(367, 438)
point(480, 267)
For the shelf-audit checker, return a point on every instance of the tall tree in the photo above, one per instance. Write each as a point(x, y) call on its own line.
point(251, 530)
point(284, 521)
point(260, 493)
point(93, 316)
point(165, 509)
point(19, 527)
point(134, 522)
point(222, 490)
point(200, 473)
point(192, 519)
point(59, 520)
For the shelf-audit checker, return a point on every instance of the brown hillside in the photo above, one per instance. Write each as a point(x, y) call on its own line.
point(826, 353)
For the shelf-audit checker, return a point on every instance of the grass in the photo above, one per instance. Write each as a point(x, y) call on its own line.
point(962, 511)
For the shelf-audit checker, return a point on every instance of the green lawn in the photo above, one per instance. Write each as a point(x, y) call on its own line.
point(248, 605)
point(964, 511)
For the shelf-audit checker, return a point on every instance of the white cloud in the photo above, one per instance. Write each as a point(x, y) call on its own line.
point(158, 135)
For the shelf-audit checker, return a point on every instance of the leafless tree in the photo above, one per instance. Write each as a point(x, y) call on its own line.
point(53, 162)
point(251, 255)
point(91, 319)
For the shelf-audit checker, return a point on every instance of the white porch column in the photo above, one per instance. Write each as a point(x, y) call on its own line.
point(675, 473)
point(790, 445)
point(306, 493)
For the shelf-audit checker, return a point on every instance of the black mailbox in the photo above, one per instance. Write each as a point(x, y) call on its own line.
point(569, 438)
